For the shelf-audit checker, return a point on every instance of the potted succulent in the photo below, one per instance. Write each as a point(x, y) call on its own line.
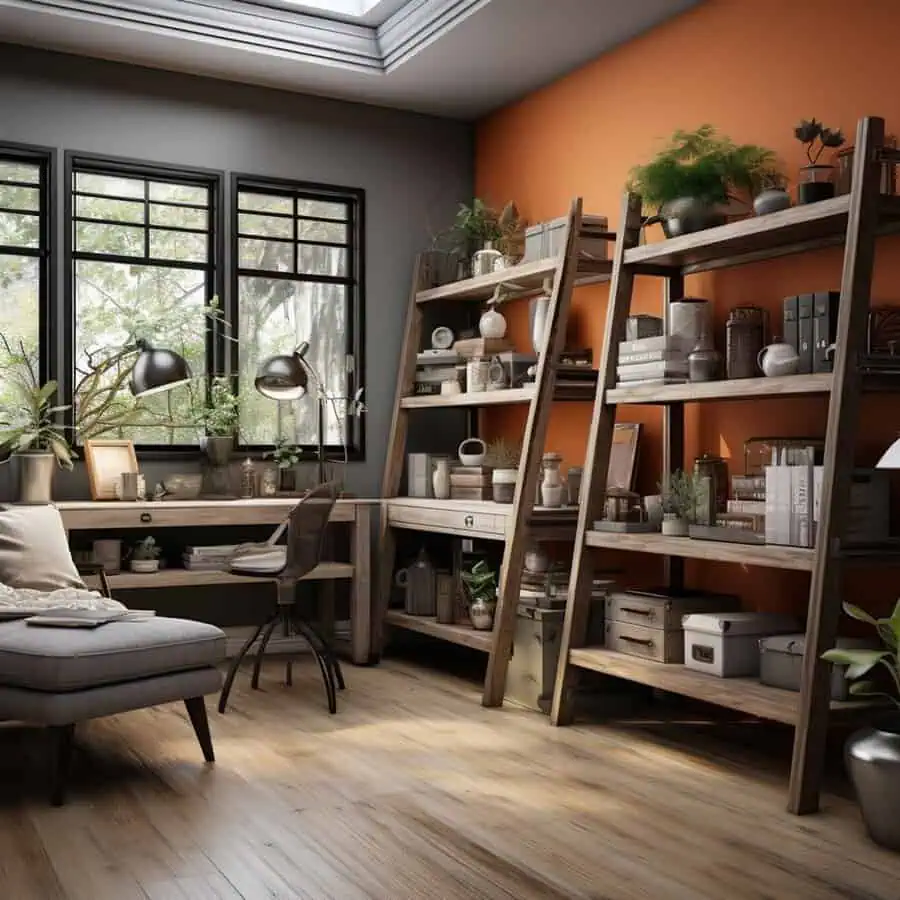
point(679, 501)
point(503, 459)
point(144, 556)
point(816, 179)
point(32, 433)
point(286, 456)
point(481, 586)
point(873, 754)
point(772, 195)
point(692, 180)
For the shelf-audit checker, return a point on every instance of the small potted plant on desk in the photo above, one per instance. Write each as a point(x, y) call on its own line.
point(679, 500)
point(144, 556)
point(219, 418)
point(873, 754)
point(286, 456)
point(481, 585)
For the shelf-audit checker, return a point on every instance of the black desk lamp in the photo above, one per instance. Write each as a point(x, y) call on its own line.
point(157, 370)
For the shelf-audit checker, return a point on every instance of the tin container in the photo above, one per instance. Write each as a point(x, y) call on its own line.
point(745, 333)
point(713, 499)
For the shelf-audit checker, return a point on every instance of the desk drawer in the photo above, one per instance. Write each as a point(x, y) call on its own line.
point(157, 516)
point(448, 521)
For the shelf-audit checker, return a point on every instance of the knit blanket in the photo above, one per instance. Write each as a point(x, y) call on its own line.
point(64, 598)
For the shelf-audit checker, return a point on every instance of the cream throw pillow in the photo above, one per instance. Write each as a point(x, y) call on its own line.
point(34, 552)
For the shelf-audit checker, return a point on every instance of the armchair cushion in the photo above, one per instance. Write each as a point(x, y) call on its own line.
point(34, 552)
point(264, 561)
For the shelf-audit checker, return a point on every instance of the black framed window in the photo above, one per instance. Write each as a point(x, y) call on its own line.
point(298, 277)
point(144, 263)
point(25, 238)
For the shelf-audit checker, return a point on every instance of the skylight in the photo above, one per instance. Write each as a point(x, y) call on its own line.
point(373, 11)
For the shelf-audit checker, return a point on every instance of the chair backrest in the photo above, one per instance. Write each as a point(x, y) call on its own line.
point(306, 530)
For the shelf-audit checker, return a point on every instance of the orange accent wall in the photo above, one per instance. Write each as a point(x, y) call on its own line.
point(752, 69)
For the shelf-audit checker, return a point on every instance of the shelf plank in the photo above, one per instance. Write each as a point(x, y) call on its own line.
point(326, 571)
point(529, 276)
point(465, 635)
point(566, 391)
point(736, 389)
point(768, 555)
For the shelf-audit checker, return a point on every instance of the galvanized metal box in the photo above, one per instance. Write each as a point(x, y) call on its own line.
point(532, 668)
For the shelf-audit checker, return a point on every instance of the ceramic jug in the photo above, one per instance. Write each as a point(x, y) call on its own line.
point(778, 359)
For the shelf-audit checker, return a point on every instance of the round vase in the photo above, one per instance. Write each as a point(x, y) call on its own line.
point(873, 760)
point(481, 612)
point(36, 477)
point(687, 215)
point(773, 200)
point(440, 479)
point(674, 526)
point(492, 325)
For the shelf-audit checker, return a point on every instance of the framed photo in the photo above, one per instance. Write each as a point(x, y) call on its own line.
point(106, 462)
point(623, 456)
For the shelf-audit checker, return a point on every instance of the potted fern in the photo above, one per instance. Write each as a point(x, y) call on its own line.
point(873, 754)
point(679, 500)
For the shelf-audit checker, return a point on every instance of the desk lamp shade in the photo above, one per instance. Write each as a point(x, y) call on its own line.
point(284, 377)
point(890, 459)
point(157, 370)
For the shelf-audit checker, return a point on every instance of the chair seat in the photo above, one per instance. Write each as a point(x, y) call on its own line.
point(71, 659)
point(263, 562)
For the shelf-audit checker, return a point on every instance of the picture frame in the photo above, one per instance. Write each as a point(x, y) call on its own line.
point(623, 456)
point(106, 461)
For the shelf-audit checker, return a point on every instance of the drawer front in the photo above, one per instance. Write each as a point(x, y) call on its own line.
point(649, 643)
point(650, 612)
point(449, 521)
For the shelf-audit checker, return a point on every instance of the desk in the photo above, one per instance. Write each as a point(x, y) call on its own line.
point(87, 515)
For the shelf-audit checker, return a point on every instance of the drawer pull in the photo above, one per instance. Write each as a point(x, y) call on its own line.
point(644, 642)
point(646, 613)
point(146, 517)
point(469, 521)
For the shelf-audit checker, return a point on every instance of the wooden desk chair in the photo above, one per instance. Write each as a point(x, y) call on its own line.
point(286, 565)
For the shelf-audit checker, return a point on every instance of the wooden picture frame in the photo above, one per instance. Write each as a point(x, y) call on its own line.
point(623, 456)
point(106, 461)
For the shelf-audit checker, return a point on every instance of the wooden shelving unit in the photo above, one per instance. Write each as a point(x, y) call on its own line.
point(515, 524)
point(853, 220)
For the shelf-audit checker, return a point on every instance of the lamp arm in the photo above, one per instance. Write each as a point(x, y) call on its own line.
point(323, 395)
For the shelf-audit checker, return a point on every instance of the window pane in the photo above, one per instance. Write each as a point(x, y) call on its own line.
point(19, 197)
point(311, 230)
point(164, 192)
point(265, 203)
point(321, 210)
point(270, 256)
point(275, 315)
point(114, 210)
point(179, 217)
point(267, 226)
point(19, 171)
point(109, 185)
point(116, 303)
point(19, 305)
point(320, 259)
point(115, 240)
point(177, 245)
point(20, 230)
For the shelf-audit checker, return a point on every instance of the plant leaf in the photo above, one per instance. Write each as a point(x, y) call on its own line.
point(855, 612)
point(858, 662)
point(894, 623)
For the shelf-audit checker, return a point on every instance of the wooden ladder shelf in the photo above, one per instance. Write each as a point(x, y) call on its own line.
point(516, 524)
point(853, 220)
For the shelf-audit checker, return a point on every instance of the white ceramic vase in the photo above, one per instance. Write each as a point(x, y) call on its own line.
point(440, 479)
point(492, 324)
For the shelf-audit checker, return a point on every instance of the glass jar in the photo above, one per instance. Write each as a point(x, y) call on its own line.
point(573, 484)
point(268, 482)
point(248, 479)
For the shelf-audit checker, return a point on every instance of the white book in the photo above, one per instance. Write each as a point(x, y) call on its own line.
point(771, 504)
point(801, 508)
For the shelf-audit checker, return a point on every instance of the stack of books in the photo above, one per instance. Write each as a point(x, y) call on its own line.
point(208, 559)
point(471, 483)
point(653, 360)
point(550, 590)
point(433, 368)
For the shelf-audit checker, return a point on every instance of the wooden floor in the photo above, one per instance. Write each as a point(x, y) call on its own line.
point(413, 791)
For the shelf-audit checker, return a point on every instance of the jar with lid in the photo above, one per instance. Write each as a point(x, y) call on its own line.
point(744, 339)
point(551, 484)
point(248, 479)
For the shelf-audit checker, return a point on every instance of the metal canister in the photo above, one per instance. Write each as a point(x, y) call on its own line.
point(745, 333)
point(712, 473)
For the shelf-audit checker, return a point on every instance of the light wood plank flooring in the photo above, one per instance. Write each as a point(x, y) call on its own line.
point(413, 792)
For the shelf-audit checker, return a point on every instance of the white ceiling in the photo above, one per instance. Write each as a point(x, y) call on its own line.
point(457, 58)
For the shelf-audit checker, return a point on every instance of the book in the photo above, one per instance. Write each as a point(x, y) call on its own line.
point(473, 348)
point(658, 369)
point(653, 344)
point(630, 359)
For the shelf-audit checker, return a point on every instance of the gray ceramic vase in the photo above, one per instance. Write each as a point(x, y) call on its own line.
point(687, 215)
point(36, 477)
point(873, 760)
point(770, 201)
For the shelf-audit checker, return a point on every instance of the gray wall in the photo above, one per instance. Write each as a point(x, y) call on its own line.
point(413, 168)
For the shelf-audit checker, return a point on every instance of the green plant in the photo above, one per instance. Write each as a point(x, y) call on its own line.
point(146, 548)
point(285, 454)
point(220, 414)
point(481, 582)
point(860, 662)
point(501, 455)
point(809, 131)
point(704, 165)
point(681, 494)
point(33, 425)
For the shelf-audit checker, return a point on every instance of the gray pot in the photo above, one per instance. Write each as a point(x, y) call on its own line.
point(36, 477)
point(219, 449)
point(773, 200)
point(873, 760)
point(687, 215)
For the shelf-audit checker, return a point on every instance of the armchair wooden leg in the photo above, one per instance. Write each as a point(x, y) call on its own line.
point(196, 709)
point(63, 737)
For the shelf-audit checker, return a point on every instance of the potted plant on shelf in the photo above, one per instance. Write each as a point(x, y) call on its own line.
point(486, 237)
point(286, 456)
point(772, 195)
point(816, 179)
point(144, 556)
point(481, 586)
point(693, 179)
point(32, 433)
point(220, 421)
point(679, 499)
point(873, 754)
point(503, 458)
